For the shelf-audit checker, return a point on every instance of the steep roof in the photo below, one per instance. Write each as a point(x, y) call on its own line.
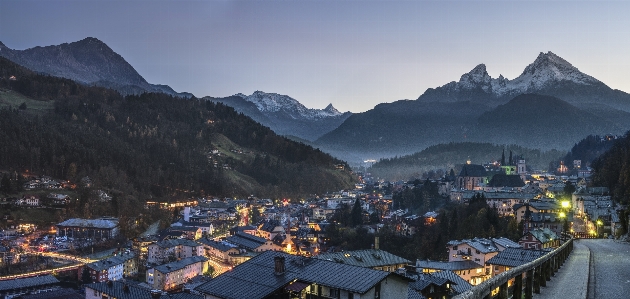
point(460, 285)
point(473, 170)
point(256, 279)
point(246, 240)
point(543, 235)
point(504, 180)
point(514, 257)
point(119, 290)
point(486, 245)
point(364, 258)
point(22, 283)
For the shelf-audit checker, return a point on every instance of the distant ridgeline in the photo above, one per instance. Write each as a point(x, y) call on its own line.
point(152, 144)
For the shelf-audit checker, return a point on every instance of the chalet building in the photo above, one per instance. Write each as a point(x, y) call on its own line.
point(102, 228)
point(549, 207)
point(29, 200)
point(438, 285)
point(478, 250)
point(539, 239)
point(105, 270)
point(280, 275)
point(189, 232)
point(270, 229)
point(121, 290)
point(163, 251)
point(473, 273)
point(173, 275)
point(252, 243)
point(219, 250)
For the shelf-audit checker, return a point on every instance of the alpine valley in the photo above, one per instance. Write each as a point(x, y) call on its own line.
point(551, 105)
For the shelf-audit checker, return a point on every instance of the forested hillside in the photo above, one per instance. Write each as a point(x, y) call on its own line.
point(152, 145)
point(612, 170)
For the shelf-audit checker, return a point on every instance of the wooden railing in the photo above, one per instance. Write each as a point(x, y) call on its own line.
point(535, 274)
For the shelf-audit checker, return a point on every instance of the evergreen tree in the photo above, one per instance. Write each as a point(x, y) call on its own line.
point(5, 184)
point(356, 214)
point(503, 158)
point(511, 161)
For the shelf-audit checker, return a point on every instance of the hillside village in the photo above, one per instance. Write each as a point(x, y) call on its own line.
point(214, 242)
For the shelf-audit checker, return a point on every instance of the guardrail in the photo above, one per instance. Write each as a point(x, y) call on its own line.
point(536, 273)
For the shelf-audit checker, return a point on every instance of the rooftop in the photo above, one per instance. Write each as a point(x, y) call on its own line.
point(256, 279)
point(369, 258)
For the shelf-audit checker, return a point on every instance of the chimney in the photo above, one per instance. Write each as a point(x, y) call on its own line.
point(187, 214)
point(156, 294)
point(125, 288)
point(278, 265)
point(376, 243)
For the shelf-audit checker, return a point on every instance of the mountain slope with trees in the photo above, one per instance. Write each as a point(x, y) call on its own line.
point(153, 145)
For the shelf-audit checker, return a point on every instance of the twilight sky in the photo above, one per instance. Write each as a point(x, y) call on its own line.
point(353, 54)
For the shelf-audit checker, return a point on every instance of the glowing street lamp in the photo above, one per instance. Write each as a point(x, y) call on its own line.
point(566, 204)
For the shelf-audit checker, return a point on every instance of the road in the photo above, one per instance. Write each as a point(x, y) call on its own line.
point(610, 268)
point(597, 268)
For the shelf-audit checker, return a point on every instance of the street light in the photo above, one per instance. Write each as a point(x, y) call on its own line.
point(599, 224)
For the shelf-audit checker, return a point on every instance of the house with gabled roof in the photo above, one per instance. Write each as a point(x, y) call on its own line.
point(478, 250)
point(252, 243)
point(277, 274)
point(161, 251)
point(220, 250)
point(270, 229)
point(513, 257)
point(469, 271)
point(539, 239)
point(175, 274)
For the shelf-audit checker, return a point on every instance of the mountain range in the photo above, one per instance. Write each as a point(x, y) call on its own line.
point(88, 61)
point(285, 115)
point(561, 105)
point(550, 105)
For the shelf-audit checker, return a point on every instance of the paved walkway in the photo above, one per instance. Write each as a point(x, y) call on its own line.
point(571, 280)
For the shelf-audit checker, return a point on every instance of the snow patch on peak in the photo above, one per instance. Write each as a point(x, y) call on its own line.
point(547, 69)
point(476, 77)
point(332, 109)
point(273, 102)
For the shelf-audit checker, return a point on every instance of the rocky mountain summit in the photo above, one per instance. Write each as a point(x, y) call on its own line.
point(89, 61)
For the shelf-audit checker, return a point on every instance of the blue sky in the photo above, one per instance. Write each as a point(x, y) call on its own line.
point(353, 54)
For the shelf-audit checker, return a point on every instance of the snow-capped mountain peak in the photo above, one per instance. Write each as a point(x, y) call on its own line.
point(332, 110)
point(548, 68)
point(273, 102)
point(477, 76)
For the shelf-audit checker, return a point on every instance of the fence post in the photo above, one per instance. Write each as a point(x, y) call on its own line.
point(517, 292)
point(503, 291)
point(529, 283)
point(537, 280)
